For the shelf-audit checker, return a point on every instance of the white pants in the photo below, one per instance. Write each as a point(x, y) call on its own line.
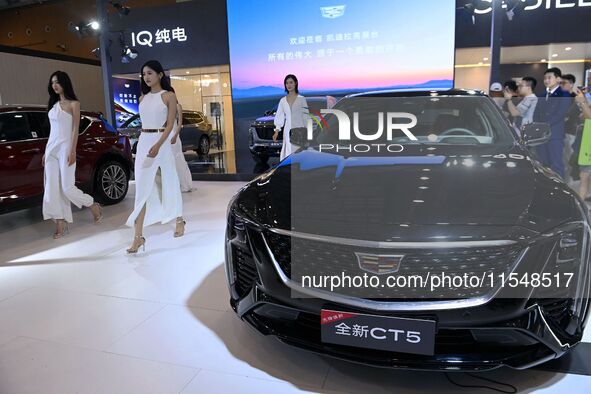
point(182, 168)
point(156, 183)
point(60, 189)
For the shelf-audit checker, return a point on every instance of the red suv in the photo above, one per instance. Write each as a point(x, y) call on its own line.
point(103, 163)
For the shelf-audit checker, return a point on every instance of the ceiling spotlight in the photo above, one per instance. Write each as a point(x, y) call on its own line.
point(543, 60)
point(516, 7)
point(568, 48)
point(96, 52)
point(555, 55)
point(84, 29)
point(128, 54)
point(467, 11)
point(121, 9)
point(485, 59)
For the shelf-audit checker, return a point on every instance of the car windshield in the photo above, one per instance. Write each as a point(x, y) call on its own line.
point(458, 120)
point(315, 105)
point(134, 121)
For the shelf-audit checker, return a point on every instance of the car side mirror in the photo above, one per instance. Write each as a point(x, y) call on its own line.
point(536, 133)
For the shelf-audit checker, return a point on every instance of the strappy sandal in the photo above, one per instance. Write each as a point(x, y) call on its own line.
point(64, 230)
point(179, 233)
point(99, 217)
point(138, 241)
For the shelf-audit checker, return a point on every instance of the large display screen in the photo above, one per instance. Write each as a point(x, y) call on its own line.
point(334, 47)
point(340, 46)
point(126, 93)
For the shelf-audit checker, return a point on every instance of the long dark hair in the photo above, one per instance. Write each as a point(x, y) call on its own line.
point(157, 67)
point(64, 80)
point(295, 79)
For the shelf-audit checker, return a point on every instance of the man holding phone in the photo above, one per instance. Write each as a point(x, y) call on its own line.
point(523, 113)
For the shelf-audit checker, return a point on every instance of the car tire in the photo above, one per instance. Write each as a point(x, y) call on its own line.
point(111, 182)
point(260, 158)
point(204, 146)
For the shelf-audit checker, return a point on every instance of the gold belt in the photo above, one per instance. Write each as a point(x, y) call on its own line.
point(152, 130)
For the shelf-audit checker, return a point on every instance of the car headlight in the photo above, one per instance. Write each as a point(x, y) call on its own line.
point(570, 248)
point(568, 263)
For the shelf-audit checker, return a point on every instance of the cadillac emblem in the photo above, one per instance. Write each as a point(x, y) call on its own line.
point(379, 263)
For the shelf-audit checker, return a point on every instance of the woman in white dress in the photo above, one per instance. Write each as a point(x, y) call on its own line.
point(59, 159)
point(292, 113)
point(157, 190)
point(182, 168)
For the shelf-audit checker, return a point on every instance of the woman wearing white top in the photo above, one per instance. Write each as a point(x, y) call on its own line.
point(292, 113)
point(59, 159)
point(182, 168)
point(157, 190)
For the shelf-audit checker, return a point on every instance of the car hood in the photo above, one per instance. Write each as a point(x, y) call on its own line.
point(425, 191)
point(265, 119)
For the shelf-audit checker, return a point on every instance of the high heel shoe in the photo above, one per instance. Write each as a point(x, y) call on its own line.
point(99, 217)
point(180, 232)
point(60, 232)
point(138, 241)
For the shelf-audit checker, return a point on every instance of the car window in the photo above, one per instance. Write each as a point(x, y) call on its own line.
point(14, 127)
point(134, 122)
point(84, 123)
point(315, 106)
point(39, 123)
point(460, 120)
point(190, 118)
point(199, 118)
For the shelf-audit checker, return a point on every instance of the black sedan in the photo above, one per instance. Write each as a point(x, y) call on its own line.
point(438, 242)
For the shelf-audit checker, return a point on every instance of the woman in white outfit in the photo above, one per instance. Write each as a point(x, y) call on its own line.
point(292, 113)
point(182, 168)
point(59, 159)
point(157, 190)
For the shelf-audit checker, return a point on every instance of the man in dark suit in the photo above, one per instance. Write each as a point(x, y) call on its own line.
point(552, 108)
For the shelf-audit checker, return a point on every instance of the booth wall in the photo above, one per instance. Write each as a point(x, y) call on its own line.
point(24, 80)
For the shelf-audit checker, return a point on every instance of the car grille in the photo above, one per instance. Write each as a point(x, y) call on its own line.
point(303, 257)
point(265, 132)
point(245, 270)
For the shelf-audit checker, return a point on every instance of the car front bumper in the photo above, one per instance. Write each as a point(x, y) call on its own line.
point(259, 146)
point(514, 332)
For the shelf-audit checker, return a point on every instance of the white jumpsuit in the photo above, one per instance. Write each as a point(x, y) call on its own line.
point(156, 181)
point(59, 177)
point(182, 168)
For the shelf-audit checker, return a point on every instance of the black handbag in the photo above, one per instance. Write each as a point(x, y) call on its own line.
point(298, 136)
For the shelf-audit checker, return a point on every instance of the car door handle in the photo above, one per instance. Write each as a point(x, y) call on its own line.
point(34, 150)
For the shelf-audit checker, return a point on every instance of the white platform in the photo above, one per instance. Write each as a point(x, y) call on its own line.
point(78, 315)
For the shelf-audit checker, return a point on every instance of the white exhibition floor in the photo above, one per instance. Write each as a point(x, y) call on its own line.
point(78, 315)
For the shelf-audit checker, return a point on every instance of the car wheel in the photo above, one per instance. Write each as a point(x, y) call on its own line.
point(111, 183)
point(203, 148)
point(260, 158)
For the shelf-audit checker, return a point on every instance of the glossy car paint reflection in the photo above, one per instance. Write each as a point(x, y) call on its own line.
point(21, 172)
point(429, 199)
